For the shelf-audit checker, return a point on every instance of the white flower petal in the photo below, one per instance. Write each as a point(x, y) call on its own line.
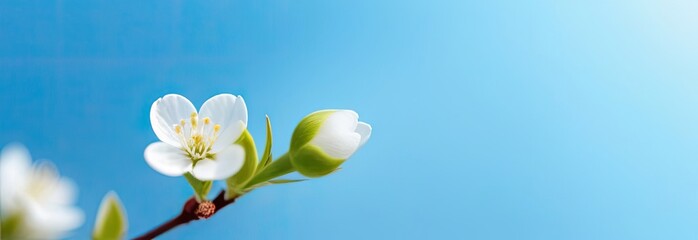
point(64, 192)
point(337, 135)
point(44, 219)
point(51, 222)
point(69, 218)
point(15, 167)
point(167, 159)
point(227, 163)
point(363, 129)
point(168, 111)
point(230, 112)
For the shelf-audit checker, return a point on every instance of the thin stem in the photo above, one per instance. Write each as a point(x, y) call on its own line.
point(179, 220)
point(281, 166)
point(187, 215)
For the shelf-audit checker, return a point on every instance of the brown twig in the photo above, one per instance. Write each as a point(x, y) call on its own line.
point(188, 214)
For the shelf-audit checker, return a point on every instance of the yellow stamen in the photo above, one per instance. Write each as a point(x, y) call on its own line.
point(197, 138)
point(194, 118)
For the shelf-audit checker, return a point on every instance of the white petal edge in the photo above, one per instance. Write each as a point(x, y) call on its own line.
point(230, 112)
point(168, 111)
point(167, 159)
point(337, 136)
point(363, 129)
point(227, 163)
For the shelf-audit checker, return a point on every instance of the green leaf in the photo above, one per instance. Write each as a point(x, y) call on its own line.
point(282, 181)
point(236, 182)
point(201, 188)
point(266, 156)
point(111, 221)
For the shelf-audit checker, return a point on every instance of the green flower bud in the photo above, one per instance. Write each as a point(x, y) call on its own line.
point(324, 139)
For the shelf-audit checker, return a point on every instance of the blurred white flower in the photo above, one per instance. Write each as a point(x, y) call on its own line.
point(201, 143)
point(324, 139)
point(35, 202)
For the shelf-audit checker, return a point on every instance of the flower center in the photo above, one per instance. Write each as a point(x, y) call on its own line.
point(197, 139)
point(37, 189)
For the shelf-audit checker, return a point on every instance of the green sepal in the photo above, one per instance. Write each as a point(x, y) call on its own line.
point(266, 156)
point(201, 188)
point(280, 167)
point(111, 223)
point(311, 161)
point(307, 128)
point(236, 182)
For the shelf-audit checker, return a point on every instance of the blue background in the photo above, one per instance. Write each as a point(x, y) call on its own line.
point(492, 120)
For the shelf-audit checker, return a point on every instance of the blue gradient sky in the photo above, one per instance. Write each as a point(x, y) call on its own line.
point(492, 120)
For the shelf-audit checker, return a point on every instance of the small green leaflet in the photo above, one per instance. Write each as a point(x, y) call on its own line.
point(272, 182)
point(111, 221)
point(282, 181)
point(266, 157)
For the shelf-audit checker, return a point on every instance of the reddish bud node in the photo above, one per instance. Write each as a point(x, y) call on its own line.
point(205, 210)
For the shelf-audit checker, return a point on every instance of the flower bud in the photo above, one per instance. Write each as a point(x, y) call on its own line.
point(324, 139)
point(205, 210)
